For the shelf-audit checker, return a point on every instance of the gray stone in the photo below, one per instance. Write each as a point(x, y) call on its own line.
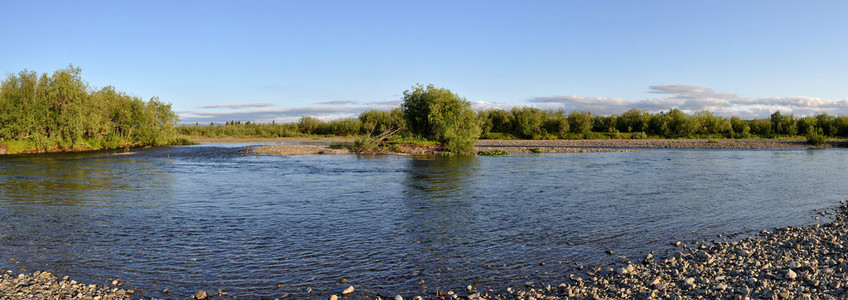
point(790, 275)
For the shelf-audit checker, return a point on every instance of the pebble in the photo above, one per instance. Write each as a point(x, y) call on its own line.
point(348, 291)
point(785, 263)
point(44, 285)
point(790, 275)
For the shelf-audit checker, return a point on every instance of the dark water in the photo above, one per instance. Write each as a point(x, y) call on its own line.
point(205, 217)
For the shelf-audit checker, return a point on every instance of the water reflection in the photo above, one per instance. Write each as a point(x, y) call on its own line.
point(61, 210)
point(209, 218)
point(439, 196)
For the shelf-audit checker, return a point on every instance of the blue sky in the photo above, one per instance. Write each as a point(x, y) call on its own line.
point(277, 60)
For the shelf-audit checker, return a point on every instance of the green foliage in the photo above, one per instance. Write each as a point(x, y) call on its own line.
point(493, 152)
point(816, 138)
point(61, 111)
point(528, 121)
point(709, 123)
point(411, 141)
point(377, 122)
point(604, 123)
point(783, 124)
point(439, 114)
point(580, 122)
point(739, 128)
point(346, 126)
point(497, 136)
point(536, 150)
point(633, 120)
point(342, 145)
point(238, 129)
point(311, 125)
point(638, 135)
point(370, 142)
point(556, 123)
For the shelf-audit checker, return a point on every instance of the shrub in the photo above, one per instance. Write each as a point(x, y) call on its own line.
point(493, 152)
point(638, 135)
point(536, 150)
point(815, 138)
point(438, 114)
point(346, 126)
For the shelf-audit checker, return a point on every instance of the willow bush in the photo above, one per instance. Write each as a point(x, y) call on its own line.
point(60, 111)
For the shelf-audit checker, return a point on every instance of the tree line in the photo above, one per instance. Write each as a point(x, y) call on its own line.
point(535, 123)
point(60, 111)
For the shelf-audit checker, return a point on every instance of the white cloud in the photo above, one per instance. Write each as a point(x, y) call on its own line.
point(266, 115)
point(486, 105)
point(338, 102)
point(600, 105)
point(692, 98)
point(236, 106)
point(265, 112)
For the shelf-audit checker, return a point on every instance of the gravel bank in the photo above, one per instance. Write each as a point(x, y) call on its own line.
point(274, 140)
point(43, 285)
point(533, 149)
point(284, 150)
point(659, 143)
point(544, 146)
point(785, 263)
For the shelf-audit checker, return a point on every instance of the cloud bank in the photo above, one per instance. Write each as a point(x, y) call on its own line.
point(237, 106)
point(692, 98)
point(689, 98)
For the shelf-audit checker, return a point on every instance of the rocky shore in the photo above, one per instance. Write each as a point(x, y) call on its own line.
point(536, 149)
point(43, 285)
point(785, 263)
point(660, 143)
point(544, 146)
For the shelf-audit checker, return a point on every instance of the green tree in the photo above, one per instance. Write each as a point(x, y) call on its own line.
point(783, 124)
point(712, 124)
point(438, 114)
point(633, 120)
point(62, 111)
point(740, 129)
point(556, 122)
point(580, 122)
point(309, 125)
point(528, 121)
point(681, 125)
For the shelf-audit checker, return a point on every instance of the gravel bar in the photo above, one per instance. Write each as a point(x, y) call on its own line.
point(43, 285)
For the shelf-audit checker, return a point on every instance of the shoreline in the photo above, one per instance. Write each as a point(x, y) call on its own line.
point(809, 262)
point(537, 146)
point(44, 285)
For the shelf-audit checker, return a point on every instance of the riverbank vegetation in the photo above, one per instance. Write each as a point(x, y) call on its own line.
point(60, 112)
point(534, 123)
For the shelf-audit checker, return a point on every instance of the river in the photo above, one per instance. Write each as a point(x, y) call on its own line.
point(206, 217)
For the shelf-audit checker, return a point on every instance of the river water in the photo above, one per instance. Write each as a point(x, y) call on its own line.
point(206, 217)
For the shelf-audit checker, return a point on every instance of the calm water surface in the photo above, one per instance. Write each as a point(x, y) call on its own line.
point(205, 217)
